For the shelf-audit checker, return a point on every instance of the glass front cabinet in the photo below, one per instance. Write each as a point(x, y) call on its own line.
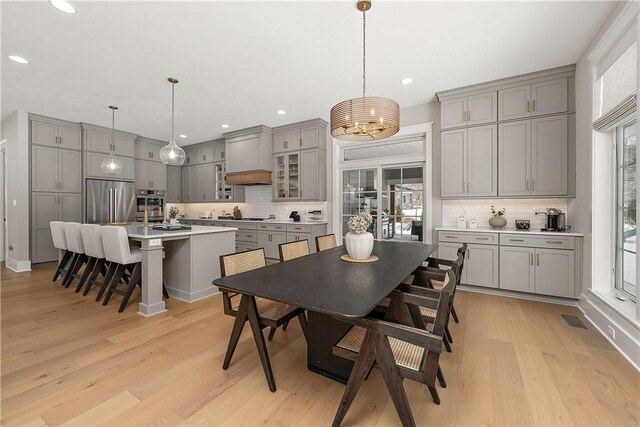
point(287, 176)
point(223, 191)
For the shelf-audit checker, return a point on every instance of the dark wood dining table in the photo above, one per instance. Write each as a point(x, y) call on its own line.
point(330, 289)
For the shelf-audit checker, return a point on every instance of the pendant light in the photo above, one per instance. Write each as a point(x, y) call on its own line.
point(111, 165)
point(368, 118)
point(171, 154)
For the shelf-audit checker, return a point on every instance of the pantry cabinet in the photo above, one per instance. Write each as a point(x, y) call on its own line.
point(47, 207)
point(57, 134)
point(56, 170)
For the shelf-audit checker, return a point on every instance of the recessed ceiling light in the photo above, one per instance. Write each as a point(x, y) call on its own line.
point(183, 135)
point(281, 112)
point(225, 126)
point(18, 59)
point(63, 6)
point(407, 81)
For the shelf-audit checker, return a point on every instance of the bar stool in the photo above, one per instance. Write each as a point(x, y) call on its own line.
point(75, 245)
point(60, 243)
point(92, 240)
point(117, 251)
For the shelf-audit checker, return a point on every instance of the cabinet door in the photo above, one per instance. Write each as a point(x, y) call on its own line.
point(280, 177)
point(514, 145)
point(309, 175)
point(453, 113)
point(44, 169)
point(516, 268)
point(186, 184)
point(98, 142)
point(482, 108)
point(264, 241)
point(143, 182)
point(70, 138)
point(158, 176)
point(70, 207)
point(241, 154)
point(549, 164)
point(452, 161)
point(44, 209)
point(293, 175)
point(143, 151)
point(481, 265)
point(206, 182)
point(44, 133)
point(449, 251)
point(94, 161)
point(555, 272)
point(174, 184)
point(218, 153)
point(292, 140)
point(194, 189)
point(205, 154)
point(482, 161)
point(155, 152)
point(124, 146)
point(549, 97)
point(278, 142)
point(309, 137)
point(277, 238)
point(514, 103)
point(191, 156)
point(70, 171)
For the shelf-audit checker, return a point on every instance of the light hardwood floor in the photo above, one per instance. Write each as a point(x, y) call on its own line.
point(67, 360)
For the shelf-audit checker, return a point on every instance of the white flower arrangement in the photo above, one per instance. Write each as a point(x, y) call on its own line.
point(360, 223)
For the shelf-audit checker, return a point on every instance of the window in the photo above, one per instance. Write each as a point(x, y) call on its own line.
point(359, 194)
point(402, 203)
point(625, 272)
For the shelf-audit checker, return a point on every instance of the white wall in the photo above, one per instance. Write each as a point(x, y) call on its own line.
point(15, 129)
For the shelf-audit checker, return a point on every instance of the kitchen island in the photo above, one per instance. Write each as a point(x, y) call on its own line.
point(185, 260)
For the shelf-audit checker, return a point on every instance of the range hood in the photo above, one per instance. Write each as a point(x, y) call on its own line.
point(254, 177)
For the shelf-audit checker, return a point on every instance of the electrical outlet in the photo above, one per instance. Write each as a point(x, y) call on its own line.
point(612, 332)
point(10, 247)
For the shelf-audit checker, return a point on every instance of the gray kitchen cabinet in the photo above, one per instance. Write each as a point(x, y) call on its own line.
point(205, 154)
point(218, 152)
point(142, 175)
point(549, 151)
point(191, 156)
point(174, 184)
point(53, 133)
point(533, 157)
point(517, 270)
point(541, 98)
point(93, 169)
point(286, 140)
point(469, 110)
point(310, 137)
point(481, 265)
point(186, 184)
point(56, 170)
point(47, 207)
point(555, 272)
point(269, 240)
point(300, 136)
point(469, 162)
point(70, 207)
point(310, 174)
point(150, 175)
point(147, 150)
point(295, 237)
point(101, 140)
point(206, 185)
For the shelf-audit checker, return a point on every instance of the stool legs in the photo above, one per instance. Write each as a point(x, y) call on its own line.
point(99, 268)
point(85, 274)
point(62, 266)
point(81, 259)
point(111, 273)
point(131, 283)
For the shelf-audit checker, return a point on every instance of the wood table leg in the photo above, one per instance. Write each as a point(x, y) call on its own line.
point(256, 328)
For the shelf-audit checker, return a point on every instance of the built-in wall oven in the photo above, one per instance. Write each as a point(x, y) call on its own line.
point(153, 201)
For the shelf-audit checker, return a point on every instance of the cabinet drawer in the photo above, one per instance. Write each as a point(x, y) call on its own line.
point(245, 225)
point(219, 223)
point(552, 242)
point(241, 246)
point(272, 227)
point(298, 228)
point(464, 237)
point(246, 236)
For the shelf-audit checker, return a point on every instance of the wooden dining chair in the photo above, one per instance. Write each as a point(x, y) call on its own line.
point(328, 241)
point(259, 312)
point(399, 346)
point(439, 263)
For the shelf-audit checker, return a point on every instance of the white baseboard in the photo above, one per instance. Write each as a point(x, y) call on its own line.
point(602, 318)
point(18, 266)
point(519, 295)
point(192, 297)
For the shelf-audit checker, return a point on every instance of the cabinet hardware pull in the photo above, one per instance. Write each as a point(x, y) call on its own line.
point(286, 144)
point(300, 142)
point(554, 242)
point(60, 140)
point(531, 258)
point(468, 253)
point(534, 105)
point(204, 157)
point(453, 237)
point(516, 240)
point(533, 185)
point(537, 259)
point(528, 106)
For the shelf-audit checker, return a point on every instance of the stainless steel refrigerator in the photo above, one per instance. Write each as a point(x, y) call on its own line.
point(110, 201)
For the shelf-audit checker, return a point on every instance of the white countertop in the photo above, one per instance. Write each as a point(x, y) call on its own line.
point(139, 232)
point(266, 221)
point(536, 232)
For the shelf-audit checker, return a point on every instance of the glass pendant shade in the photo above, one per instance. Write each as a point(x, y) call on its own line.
point(111, 165)
point(172, 154)
point(365, 119)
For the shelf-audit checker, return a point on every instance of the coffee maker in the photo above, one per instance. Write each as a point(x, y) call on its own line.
point(556, 220)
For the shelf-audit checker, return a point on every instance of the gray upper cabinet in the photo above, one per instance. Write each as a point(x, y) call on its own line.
point(56, 170)
point(541, 98)
point(93, 169)
point(147, 151)
point(286, 140)
point(205, 154)
point(534, 157)
point(218, 152)
point(174, 184)
point(103, 140)
point(309, 174)
point(55, 134)
point(300, 136)
point(150, 173)
point(310, 137)
point(469, 110)
point(186, 184)
point(469, 160)
point(158, 176)
point(191, 156)
point(143, 182)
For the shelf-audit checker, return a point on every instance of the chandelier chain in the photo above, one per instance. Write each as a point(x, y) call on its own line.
point(364, 54)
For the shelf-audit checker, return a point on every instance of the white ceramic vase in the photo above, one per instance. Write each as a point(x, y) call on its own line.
point(359, 245)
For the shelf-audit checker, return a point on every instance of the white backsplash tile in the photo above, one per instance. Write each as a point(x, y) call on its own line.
point(258, 204)
point(514, 209)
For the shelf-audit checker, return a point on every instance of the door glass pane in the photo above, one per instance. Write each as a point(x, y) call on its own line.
point(350, 203)
point(626, 280)
point(391, 178)
point(368, 181)
point(350, 180)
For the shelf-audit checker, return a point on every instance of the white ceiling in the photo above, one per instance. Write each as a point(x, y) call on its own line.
point(239, 62)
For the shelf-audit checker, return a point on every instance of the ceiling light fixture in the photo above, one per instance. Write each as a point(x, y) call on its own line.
point(63, 6)
point(407, 81)
point(281, 112)
point(369, 117)
point(183, 135)
point(225, 126)
point(18, 59)
point(111, 165)
point(171, 154)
